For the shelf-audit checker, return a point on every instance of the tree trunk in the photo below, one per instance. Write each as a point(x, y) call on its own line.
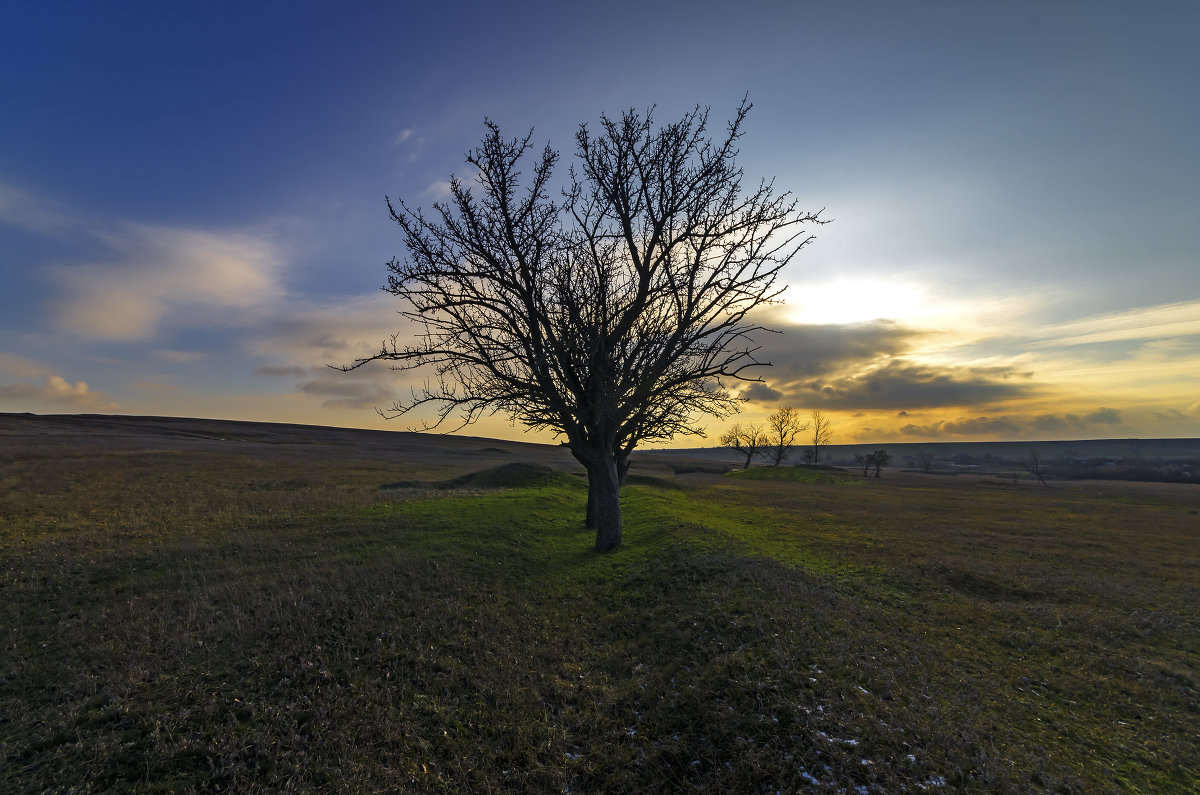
point(622, 467)
point(589, 519)
point(604, 497)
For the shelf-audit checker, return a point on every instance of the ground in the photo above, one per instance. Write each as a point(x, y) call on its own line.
point(223, 606)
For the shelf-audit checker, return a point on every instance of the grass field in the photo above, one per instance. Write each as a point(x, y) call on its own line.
point(201, 606)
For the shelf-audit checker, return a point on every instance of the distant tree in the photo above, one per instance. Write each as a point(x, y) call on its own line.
point(880, 459)
point(783, 429)
point(821, 430)
point(876, 460)
point(925, 459)
point(1033, 464)
point(745, 439)
point(610, 317)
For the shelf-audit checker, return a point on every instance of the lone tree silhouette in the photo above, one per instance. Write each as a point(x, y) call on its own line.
point(749, 440)
point(609, 316)
point(822, 437)
point(783, 429)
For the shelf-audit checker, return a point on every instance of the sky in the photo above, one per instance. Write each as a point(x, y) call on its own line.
point(192, 216)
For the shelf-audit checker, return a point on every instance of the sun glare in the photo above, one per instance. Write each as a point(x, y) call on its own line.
point(846, 301)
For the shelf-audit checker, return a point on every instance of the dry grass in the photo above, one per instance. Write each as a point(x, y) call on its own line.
point(251, 616)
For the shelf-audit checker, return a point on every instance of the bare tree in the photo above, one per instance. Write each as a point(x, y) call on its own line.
point(745, 439)
point(1034, 465)
point(876, 460)
point(926, 458)
point(822, 434)
point(783, 429)
point(880, 459)
point(609, 317)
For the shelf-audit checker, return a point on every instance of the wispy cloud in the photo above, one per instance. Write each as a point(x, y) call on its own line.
point(164, 274)
point(277, 371)
point(180, 357)
point(1164, 321)
point(21, 367)
point(34, 213)
point(310, 333)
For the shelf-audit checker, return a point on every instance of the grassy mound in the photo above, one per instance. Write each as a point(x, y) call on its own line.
point(516, 475)
point(795, 474)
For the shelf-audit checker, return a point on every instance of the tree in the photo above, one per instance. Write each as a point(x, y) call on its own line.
point(926, 458)
point(876, 460)
point(609, 316)
point(1034, 465)
point(880, 459)
point(783, 429)
point(747, 440)
point(822, 434)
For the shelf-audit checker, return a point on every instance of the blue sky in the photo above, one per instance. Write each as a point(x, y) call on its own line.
point(192, 218)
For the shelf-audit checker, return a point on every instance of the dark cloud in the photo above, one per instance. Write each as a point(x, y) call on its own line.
point(1016, 426)
point(973, 426)
point(1104, 416)
point(901, 413)
point(807, 351)
point(272, 370)
point(761, 393)
point(902, 384)
point(864, 366)
point(1056, 423)
point(347, 393)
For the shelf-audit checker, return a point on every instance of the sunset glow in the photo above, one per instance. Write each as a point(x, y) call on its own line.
point(192, 216)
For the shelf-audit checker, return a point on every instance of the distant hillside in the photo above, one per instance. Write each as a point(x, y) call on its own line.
point(1172, 460)
point(1125, 459)
point(1087, 448)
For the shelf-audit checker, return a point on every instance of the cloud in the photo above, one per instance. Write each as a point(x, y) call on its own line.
point(342, 391)
point(22, 367)
point(1018, 426)
point(30, 212)
point(404, 135)
point(1162, 321)
point(308, 333)
point(1057, 423)
point(973, 426)
point(191, 277)
point(1104, 416)
point(814, 349)
point(902, 384)
point(277, 371)
point(761, 393)
point(56, 390)
point(180, 357)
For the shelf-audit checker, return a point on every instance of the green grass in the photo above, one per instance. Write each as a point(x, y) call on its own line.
point(795, 474)
point(203, 621)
